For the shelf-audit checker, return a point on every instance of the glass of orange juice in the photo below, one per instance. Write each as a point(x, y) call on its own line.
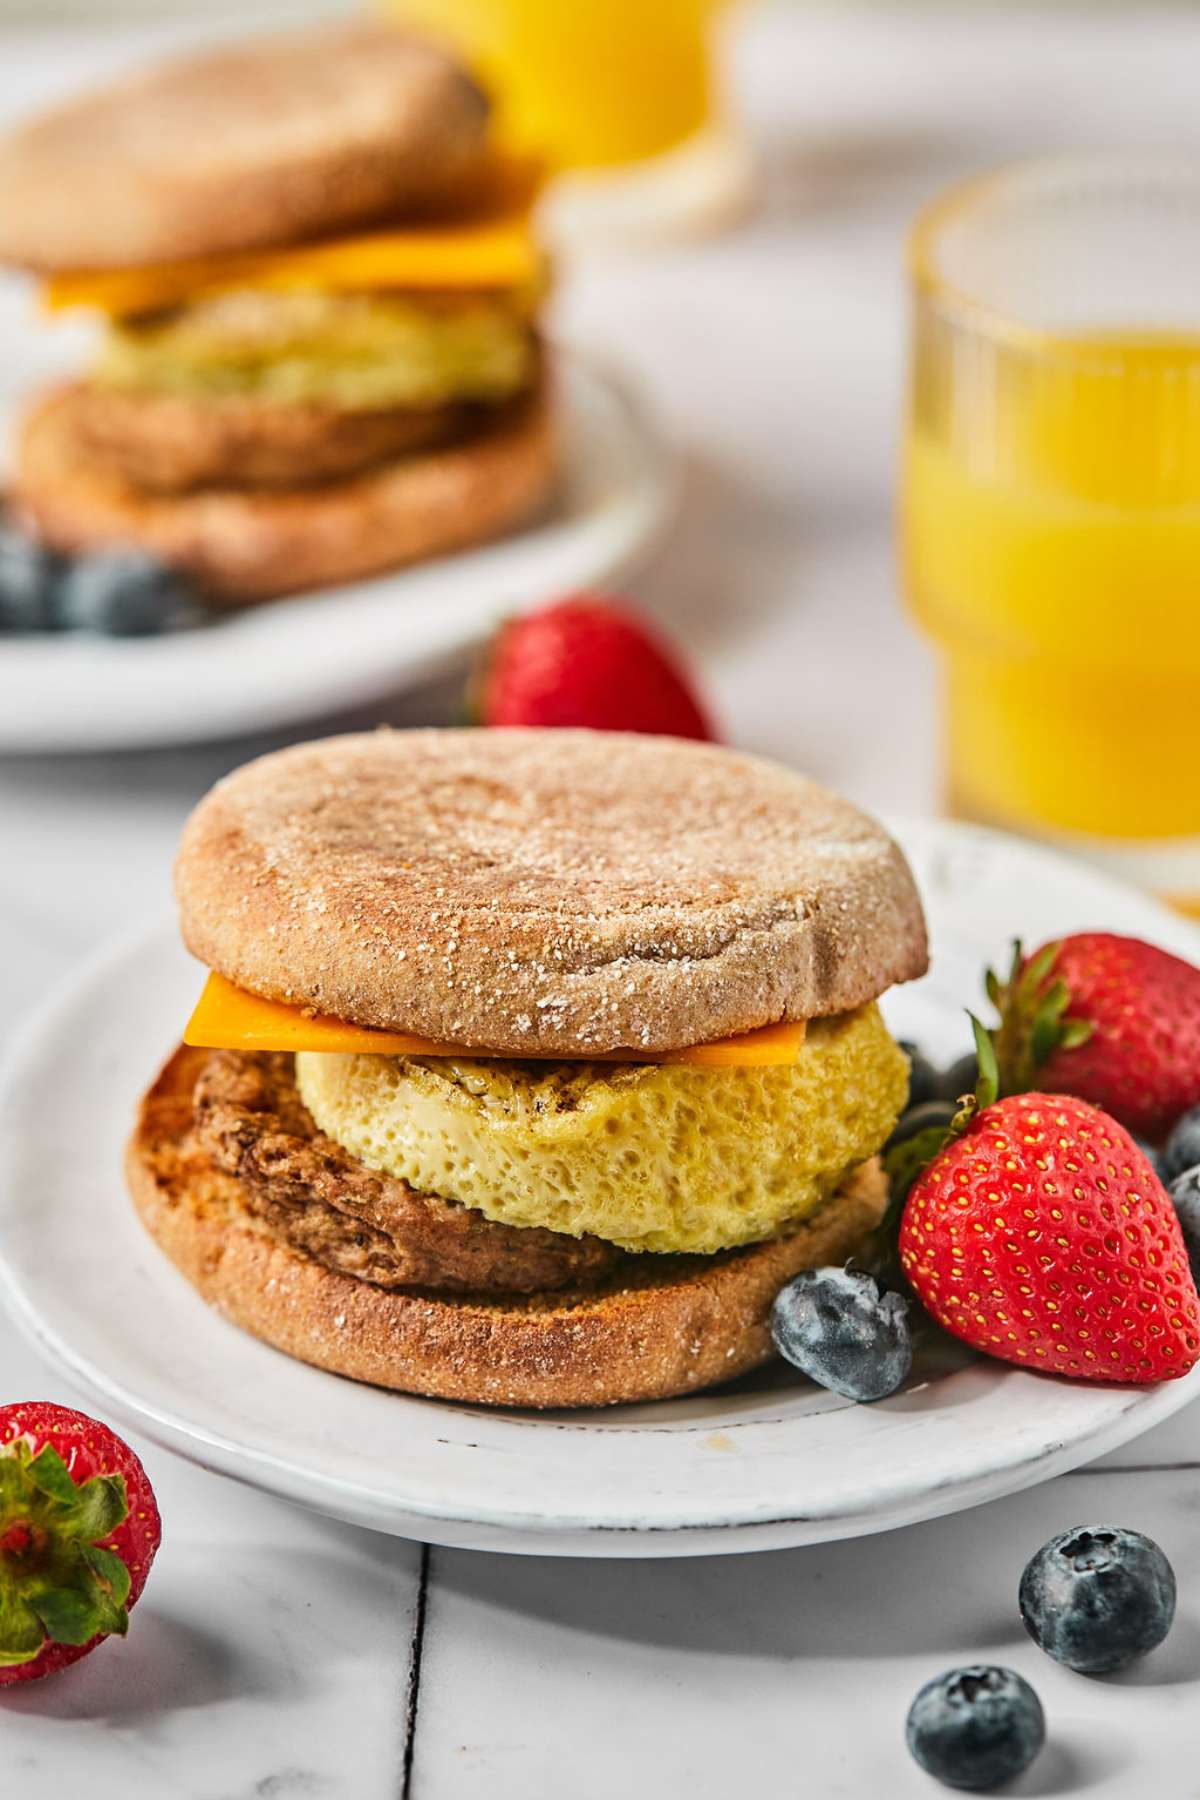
point(605, 89)
point(1050, 503)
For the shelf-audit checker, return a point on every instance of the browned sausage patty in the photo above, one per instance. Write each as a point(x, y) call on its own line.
point(241, 544)
point(174, 443)
point(252, 1123)
point(657, 1325)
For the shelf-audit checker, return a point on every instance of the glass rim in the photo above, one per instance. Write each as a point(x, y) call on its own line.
point(988, 320)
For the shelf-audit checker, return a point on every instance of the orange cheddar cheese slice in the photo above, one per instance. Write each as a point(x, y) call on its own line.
point(496, 254)
point(229, 1018)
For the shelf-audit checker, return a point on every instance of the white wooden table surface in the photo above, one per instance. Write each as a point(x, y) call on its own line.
point(280, 1656)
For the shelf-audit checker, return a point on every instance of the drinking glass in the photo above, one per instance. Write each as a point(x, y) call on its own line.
point(620, 96)
point(1050, 503)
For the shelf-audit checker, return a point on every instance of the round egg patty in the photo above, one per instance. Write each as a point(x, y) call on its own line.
point(649, 1157)
point(355, 352)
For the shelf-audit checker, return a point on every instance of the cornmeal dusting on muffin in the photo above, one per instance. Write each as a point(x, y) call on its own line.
point(593, 897)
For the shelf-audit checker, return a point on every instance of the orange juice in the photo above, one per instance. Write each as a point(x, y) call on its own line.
point(1050, 518)
point(590, 82)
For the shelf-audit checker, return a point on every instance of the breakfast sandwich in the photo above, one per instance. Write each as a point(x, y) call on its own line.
point(531, 1064)
point(320, 290)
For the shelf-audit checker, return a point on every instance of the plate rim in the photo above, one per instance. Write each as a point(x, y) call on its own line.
point(736, 1525)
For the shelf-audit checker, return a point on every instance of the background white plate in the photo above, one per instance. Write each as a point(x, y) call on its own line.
point(338, 648)
point(770, 1461)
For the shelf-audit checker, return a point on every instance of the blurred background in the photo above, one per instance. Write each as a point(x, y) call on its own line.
point(758, 305)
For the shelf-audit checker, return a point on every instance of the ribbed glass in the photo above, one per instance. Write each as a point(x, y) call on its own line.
point(1057, 327)
point(1051, 493)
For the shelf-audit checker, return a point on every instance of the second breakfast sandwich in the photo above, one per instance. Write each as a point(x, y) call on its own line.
point(320, 289)
point(532, 1063)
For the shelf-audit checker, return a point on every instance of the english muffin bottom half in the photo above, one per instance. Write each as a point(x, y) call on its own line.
point(501, 1091)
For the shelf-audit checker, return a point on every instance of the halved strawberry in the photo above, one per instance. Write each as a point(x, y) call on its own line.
point(79, 1528)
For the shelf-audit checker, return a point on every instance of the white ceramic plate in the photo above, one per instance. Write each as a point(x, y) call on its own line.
point(322, 652)
point(770, 1461)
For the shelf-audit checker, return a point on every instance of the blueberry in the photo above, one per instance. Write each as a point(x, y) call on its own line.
point(922, 1076)
point(920, 1118)
point(976, 1727)
point(1182, 1149)
point(844, 1332)
point(1152, 1156)
point(27, 572)
point(959, 1078)
point(1096, 1598)
point(124, 593)
point(1185, 1198)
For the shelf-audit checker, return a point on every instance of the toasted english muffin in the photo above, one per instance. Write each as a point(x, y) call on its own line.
point(545, 892)
point(262, 142)
point(657, 1326)
point(244, 544)
point(550, 1186)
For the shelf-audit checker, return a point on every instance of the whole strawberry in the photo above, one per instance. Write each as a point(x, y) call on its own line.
point(79, 1528)
point(1039, 1233)
point(588, 661)
point(1111, 1019)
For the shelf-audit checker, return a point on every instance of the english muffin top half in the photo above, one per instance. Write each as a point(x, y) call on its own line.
point(268, 141)
point(545, 893)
